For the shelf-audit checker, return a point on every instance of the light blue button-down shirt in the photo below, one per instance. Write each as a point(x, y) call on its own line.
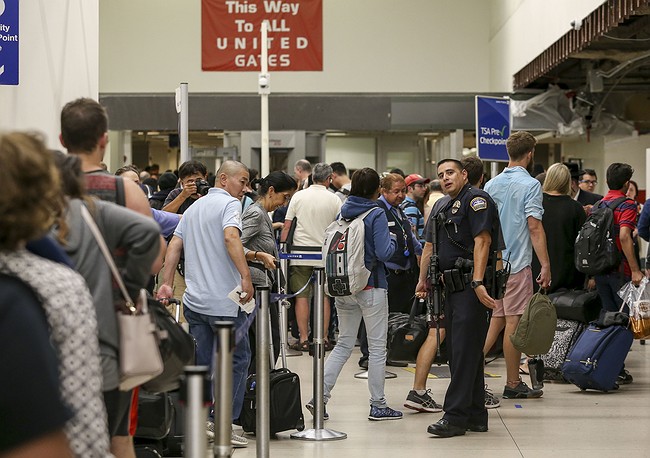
point(518, 196)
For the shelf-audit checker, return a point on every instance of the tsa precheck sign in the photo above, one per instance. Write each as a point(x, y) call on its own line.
point(9, 42)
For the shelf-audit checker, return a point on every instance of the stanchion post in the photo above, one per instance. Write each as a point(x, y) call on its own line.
point(318, 433)
point(223, 389)
point(283, 306)
point(262, 377)
point(195, 394)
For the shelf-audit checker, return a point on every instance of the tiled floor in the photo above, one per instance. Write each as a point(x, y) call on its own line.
point(565, 422)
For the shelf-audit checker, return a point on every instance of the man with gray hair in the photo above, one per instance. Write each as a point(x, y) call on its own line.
point(302, 173)
point(310, 212)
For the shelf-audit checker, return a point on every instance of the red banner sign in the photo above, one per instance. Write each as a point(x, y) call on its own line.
point(231, 34)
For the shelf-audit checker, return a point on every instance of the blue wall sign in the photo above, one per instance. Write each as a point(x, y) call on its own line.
point(492, 127)
point(9, 42)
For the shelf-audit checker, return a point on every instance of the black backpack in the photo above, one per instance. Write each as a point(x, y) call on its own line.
point(595, 249)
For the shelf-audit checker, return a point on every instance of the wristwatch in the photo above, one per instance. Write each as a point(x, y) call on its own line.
point(475, 284)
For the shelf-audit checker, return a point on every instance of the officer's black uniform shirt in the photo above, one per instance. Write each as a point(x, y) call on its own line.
point(466, 216)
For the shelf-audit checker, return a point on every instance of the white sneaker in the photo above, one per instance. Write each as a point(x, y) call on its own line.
point(238, 441)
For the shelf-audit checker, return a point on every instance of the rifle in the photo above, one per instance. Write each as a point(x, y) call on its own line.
point(434, 298)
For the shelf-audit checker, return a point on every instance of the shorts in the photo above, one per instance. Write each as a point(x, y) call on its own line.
point(519, 290)
point(118, 408)
point(298, 277)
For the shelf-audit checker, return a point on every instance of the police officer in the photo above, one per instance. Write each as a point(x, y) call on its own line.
point(467, 231)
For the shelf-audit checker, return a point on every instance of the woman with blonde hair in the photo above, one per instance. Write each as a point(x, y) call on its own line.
point(562, 220)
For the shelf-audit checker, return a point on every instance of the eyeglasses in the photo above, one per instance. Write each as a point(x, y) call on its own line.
point(589, 181)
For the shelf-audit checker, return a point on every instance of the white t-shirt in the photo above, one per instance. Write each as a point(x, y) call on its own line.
point(315, 208)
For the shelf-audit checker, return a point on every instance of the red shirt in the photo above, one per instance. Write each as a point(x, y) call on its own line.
point(624, 215)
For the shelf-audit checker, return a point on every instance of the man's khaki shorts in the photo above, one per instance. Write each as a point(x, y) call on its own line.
point(298, 276)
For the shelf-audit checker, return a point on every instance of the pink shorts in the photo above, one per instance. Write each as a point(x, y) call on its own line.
point(519, 290)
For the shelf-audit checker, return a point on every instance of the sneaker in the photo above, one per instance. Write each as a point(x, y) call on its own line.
point(624, 378)
point(310, 407)
point(384, 413)
point(422, 403)
point(521, 391)
point(363, 363)
point(491, 400)
point(209, 430)
point(238, 441)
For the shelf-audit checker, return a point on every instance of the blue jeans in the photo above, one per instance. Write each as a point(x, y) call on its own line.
point(201, 327)
point(372, 305)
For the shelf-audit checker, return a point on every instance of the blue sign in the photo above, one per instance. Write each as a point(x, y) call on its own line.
point(492, 127)
point(9, 42)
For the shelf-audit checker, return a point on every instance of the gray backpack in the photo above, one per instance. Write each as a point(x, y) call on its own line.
point(344, 252)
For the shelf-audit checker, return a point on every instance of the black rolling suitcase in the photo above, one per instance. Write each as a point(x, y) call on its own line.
point(566, 334)
point(286, 403)
point(161, 421)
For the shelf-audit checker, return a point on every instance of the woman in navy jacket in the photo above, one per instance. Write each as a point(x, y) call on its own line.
point(371, 303)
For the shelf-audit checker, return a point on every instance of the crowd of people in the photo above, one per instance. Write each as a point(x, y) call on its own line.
point(199, 236)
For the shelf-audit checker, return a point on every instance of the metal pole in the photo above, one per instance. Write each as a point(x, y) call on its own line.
point(494, 169)
point(185, 124)
point(262, 376)
point(195, 393)
point(283, 307)
point(318, 433)
point(223, 389)
point(264, 90)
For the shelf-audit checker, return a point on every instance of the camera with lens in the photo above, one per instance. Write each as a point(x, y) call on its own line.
point(202, 187)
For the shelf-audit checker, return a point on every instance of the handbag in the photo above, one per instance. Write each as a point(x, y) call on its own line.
point(406, 334)
point(139, 356)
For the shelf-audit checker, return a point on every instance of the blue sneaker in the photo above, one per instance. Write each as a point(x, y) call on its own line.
point(384, 413)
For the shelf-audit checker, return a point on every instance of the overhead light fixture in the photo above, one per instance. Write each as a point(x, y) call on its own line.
point(215, 134)
point(153, 132)
point(428, 134)
point(336, 134)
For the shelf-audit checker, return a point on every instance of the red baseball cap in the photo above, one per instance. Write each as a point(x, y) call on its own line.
point(415, 178)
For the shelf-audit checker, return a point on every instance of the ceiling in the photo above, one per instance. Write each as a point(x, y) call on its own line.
point(607, 68)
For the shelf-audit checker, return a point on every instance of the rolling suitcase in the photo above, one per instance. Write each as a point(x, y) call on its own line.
point(598, 357)
point(566, 335)
point(285, 410)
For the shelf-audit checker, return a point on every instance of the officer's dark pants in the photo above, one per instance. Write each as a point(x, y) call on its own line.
point(467, 327)
point(401, 289)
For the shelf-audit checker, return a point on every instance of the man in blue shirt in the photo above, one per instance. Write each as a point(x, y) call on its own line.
point(416, 188)
point(215, 265)
point(519, 199)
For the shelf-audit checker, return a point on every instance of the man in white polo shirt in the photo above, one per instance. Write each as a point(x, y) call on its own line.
point(214, 266)
point(313, 209)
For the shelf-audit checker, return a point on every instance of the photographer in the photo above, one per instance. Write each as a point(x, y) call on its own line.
point(193, 176)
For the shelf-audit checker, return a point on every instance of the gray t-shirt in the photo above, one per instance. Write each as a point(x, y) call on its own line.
point(134, 241)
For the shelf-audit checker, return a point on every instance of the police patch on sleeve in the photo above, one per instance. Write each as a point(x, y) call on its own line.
point(478, 203)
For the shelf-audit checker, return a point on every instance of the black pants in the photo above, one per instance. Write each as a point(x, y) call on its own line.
point(401, 289)
point(467, 325)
